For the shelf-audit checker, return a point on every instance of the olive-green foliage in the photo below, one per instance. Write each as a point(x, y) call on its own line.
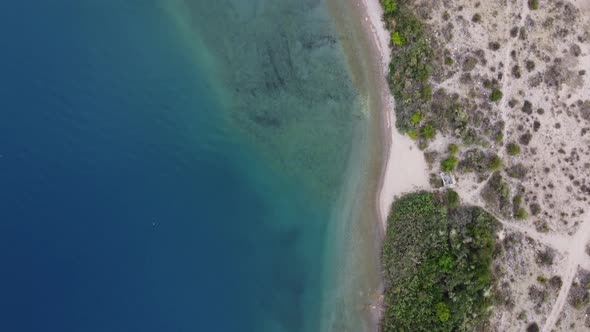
point(518, 171)
point(521, 214)
point(443, 312)
point(495, 163)
point(496, 95)
point(416, 117)
point(498, 138)
point(452, 199)
point(412, 133)
point(426, 92)
point(398, 39)
point(410, 66)
point(474, 160)
point(449, 164)
point(453, 149)
point(389, 6)
point(534, 4)
point(513, 149)
point(517, 200)
point(437, 265)
point(428, 131)
point(496, 193)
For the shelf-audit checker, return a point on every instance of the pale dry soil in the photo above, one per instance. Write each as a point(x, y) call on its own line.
point(540, 60)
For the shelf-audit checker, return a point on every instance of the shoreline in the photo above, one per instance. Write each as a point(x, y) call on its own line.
point(400, 165)
point(366, 46)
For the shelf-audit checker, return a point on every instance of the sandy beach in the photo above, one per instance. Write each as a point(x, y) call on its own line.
point(404, 168)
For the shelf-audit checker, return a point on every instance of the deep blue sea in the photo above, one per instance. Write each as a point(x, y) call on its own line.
point(157, 175)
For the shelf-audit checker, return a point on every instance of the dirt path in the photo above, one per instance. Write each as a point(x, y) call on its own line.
point(576, 256)
point(572, 247)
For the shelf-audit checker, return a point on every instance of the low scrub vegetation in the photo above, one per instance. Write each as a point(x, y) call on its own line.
point(410, 66)
point(513, 149)
point(496, 194)
point(436, 258)
point(496, 95)
point(449, 164)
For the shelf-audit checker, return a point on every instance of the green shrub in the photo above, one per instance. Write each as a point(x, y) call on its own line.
point(453, 199)
point(495, 163)
point(521, 214)
point(413, 135)
point(449, 61)
point(438, 265)
point(427, 131)
point(446, 263)
point(449, 164)
point(453, 149)
point(496, 95)
point(410, 66)
point(416, 118)
point(426, 92)
point(496, 194)
point(513, 149)
point(516, 201)
point(469, 63)
point(398, 39)
point(498, 138)
point(442, 312)
point(534, 4)
point(389, 6)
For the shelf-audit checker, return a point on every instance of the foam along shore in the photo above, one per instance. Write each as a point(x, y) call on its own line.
point(404, 168)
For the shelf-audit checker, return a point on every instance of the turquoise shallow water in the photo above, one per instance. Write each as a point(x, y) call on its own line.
point(173, 165)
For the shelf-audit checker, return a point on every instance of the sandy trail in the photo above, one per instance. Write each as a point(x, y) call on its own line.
point(572, 247)
point(576, 257)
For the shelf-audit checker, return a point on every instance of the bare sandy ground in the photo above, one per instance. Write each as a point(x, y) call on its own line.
point(555, 41)
point(563, 227)
point(582, 4)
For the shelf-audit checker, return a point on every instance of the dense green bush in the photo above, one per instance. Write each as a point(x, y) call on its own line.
point(449, 164)
point(452, 199)
point(495, 163)
point(521, 214)
point(410, 66)
point(534, 4)
point(496, 194)
point(426, 92)
point(437, 265)
point(428, 131)
point(389, 6)
point(474, 160)
point(513, 149)
point(496, 95)
point(397, 39)
point(416, 118)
